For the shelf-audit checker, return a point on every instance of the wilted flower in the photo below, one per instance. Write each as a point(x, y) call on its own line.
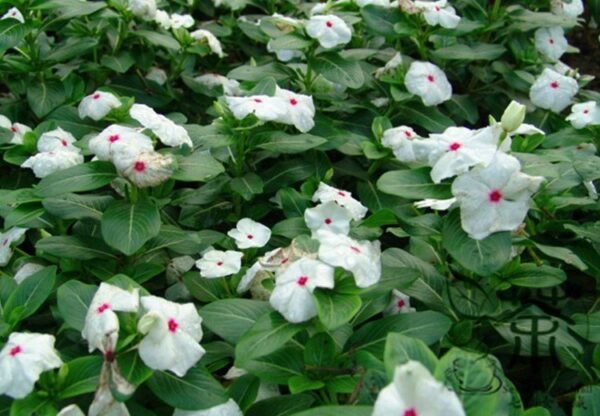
point(145, 9)
point(173, 332)
point(494, 198)
point(166, 130)
point(429, 82)
point(390, 65)
point(328, 216)
point(414, 392)
point(329, 30)
point(265, 108)
point(13, 13)
point(439, 13)
point(145, 169)
point(249, 234)
point(216, 263)
point(553, 91)
point(229, 408)
point(97, 105)
point(45, 163)
point(292, 295)
point(326, 193)
point(230, 86)
point(24, 357)
point(400, 140)
point(117, 140)
point(212, 41)
point(7, 239)
point(300, 109)
point(551, 41)
point(584, 114)
point(400, 303)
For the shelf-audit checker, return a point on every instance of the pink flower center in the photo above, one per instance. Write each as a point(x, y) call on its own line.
point(410, 412)
point(249, 236)
point(302, 280)
point(100, 309)
point(173, 325)
point(4, 242)
point(341, 193)
point(293, 101)
point(96, 96)
point(400, 304)
point(329, 23)
point(14, 351)
point(139, 166)
point(13, 14)
point(554, 85)
point(113, 138)
point(407, 133)
point(454, 146)
point(285, 260)
point(437, 8)
point(586, 111)
point(327, 221)
point(257, 100)
point(355, 249)
point(13, 129)
point(219, 263)
point(430, 78)
point(495, 196)
point(109, 356)
point(64, 142)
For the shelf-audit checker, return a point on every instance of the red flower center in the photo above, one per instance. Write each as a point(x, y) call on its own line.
point(355, 249)
point(249, 236)
point(554, 84)
point(13, 129)
point(400, 304)
point(219, 263)
point(329, 23)
point(407, 133)
point(302, 280)
point(15, 350)
point(454, 146)
point(257, 100)
point(293, 101)
point(437, 8)
point(285, 260)
point(495, 196)
point(139, 166)
point(327, 221)
point(341, 193)
point(4, 242)
point(109, 356)
point(586, 111)
point(410, 412)
point(100, 309)
point(96, 96)
point(64, 142)
point(113, 138)
point(430, 78)
point(173, 325)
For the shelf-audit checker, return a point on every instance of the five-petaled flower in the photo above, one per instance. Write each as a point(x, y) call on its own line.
point(216, 263)
point(429, 82)
point(400, 140)
point(329, 30)
point(584, 114)
point(553, 91)
point(249, 233)
point(97, 105)
point(551, 41)
point(328, 216)
point(438, 13)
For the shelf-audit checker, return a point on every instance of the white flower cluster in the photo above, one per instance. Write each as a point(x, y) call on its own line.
point(56, 152)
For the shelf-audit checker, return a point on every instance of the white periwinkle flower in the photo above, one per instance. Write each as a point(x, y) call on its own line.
point(101, 328)
point(414, 392)
point(292, 295)
point(145, 9)
point(551, 41)
point(71, 410)
point(157, 75)
point(265, 108)
point(390, 65)
point(24, 357)
point(326, 193)
point(494, 198)
point(553, 91)
point(173, 332)
point(216, 263)
point(584, 114)
point(439, 13)
point(45, 163)
point(211, 80)
point(117, 140)
point(212, 41)
point(569, 8)
point(329, 30)
point(400, 140)
point(56, 140)
point(26, 270)
point(300, 109)
point(457, 149)
point(436, 204)
point(400, 303)
point(429, 82)
point(7, 239)
point(166, 130)
point(13, 13)
point(249, 233)
point(181, 20)
point(163, 19)
point(97, 105)
point(229, 408)
point(17, 129)
point(362, 258)
point(145, 169)
point(328, 216)
point(380, 3)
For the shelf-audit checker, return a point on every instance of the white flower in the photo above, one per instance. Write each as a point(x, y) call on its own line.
point(292, 295)
point(437, 204)
point(17, 129)
point(265, 108)
point(284, 55)
point(145, 169)
point(400, 303)
point(232, 4)
point(157, 75)
point(326, 193)
point(163, 19)
point(250, 233)
point(329, 30)
point(569, 8)
point(179, 21)
point(390, 65)
point(118, 140)
point(494, 198)
point(381, 3)
point(104, 403)
point(400, 140)
point(362, 258)
point(300, 110)
point(24, 357)
point(145, 9)
point(328, 216)
point(212, 41)
point(429, 82)
point(229, 408)
point(56, 140)
point(215, 263)
point(457, 149)
point(13, 13)
point(71, 410)
point(173, 332)
point(439, 13)
point(553, 91)
point(45, 163)
point(26, 270)
point(273, 261)
point(97, 105)
point(584, 114)
point(414, 392)
point(230, 86)
point(282, 20)
point(551, 41)
point(166, 130)
point(101, 329)
point(318, 8)
point(6, 241)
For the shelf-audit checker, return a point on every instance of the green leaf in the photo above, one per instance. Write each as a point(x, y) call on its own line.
point(381, 20)
point(80, 178)
point(74, 299)
point(247, 186)
point(280, 142)
point(244, 390)
point(240, 315)
point(132, 367)
point(30, 294)
point(256, 73)
point(158, 39)
point(126, 227)
point(278, 366)
point(338, 411)
point(197, 167)
point(430, 118)
point(82, 376)
point(44, 96)
point(320, 350)
point(118, 63)
point(299, 384)
point(587, 401)
point(482, 257)
point(75, 247)
point(206, 290)
point(68, 9)
point(412, 184)
point(532, 275)
point(400, 349)
point(268, 334)
point(182, 241)
point(290, 42)
point(197, 390)
point(477, 52)
point(76, 207)
point(334, 309)
point(12, 33)
point(281, 405)
point(291, 228)
point(563, 254)
point(72, 48)
point(339, 70)
point(587, 326)
point(23, 214)
point(285, 173)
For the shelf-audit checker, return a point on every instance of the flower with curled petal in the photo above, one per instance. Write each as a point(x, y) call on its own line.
point(438, 13)
point(203, 35)
point(117, 140)
point(329, 30)
point(328, 216)
point(400, 140)
point(97, 105)
point(166, 130)
point(7, 239)
point(216, 263)
point(300, 109)
point(327, 193)
point(145, 169)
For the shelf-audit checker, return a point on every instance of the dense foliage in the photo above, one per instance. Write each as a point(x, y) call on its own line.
point(278, 207)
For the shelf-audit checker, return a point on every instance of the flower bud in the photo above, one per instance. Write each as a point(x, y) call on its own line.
point(513, 116)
